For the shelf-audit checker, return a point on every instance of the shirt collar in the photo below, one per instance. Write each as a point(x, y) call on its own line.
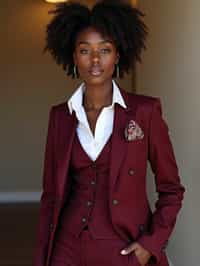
point(76, 100)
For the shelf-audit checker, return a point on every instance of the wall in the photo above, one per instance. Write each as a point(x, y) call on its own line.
point(30, 83)
point(170, 70)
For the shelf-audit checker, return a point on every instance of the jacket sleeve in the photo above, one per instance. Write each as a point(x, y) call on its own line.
point(47, 197)
point(168, 186)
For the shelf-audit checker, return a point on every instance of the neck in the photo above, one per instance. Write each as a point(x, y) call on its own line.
point(98, 96)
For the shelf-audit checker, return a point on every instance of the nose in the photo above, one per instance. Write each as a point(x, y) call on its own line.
point(95, 57)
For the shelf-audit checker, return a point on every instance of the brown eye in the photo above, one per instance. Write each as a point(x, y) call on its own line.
point(83, 51)
point(105, 50)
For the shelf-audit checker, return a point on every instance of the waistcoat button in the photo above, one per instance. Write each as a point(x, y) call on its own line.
point(89, 203)
point(93, 166)
point(92, 182)
point(83, 219)
point(131, 172)
point(115, 202)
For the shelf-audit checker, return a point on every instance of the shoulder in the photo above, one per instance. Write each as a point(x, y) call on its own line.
point(60, 108)
point(140, 100)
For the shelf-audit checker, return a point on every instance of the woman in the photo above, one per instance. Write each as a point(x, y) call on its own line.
point(94, 207)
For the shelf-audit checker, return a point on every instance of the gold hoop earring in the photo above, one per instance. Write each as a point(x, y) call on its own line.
point(75, 72)
point(117, 71)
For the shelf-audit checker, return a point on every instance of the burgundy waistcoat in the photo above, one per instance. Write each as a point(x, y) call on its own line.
point(88, 201)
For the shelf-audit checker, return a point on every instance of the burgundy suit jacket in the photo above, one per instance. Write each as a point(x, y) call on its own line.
point(128, 170)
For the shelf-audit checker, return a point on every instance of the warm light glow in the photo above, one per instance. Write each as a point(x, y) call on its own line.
point(55, 1)
point(134, 2)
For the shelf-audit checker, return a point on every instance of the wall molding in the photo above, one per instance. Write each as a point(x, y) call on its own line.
point(20, 197)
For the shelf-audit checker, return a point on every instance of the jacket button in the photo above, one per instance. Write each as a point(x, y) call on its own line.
point(83, 219)
point(51, 226)
point(131, 172)
point(115, 202)
point(141, 228)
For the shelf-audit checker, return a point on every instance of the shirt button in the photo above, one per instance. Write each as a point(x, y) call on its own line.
point(89, 203)
point(92, 182)
point(115, 202)
point(83, 219)
point(131, 172)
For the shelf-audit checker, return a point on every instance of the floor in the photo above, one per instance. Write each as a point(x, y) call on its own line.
point(17, 233)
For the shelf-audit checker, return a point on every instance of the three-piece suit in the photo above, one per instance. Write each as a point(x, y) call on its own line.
point(108, 197)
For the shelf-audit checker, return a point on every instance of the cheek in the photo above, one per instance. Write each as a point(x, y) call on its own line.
point(83, 63)
point(109, 60)
point(109, 64)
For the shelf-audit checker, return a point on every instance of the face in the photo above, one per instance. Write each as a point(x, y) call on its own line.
point(95, 57)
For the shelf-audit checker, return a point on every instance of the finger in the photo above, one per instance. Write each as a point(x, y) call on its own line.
point(129, 249)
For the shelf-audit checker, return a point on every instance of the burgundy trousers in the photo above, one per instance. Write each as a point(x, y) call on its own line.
point(85, 251)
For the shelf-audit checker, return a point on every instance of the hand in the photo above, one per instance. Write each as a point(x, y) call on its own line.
point(141, 253)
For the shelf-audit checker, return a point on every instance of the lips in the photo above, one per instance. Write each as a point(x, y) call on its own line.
point(95, 71)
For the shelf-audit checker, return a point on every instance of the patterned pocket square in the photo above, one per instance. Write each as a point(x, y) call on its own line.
point(133, 131)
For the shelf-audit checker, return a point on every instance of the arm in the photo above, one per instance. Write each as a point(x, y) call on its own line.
point(170, 191)
point(46, 202)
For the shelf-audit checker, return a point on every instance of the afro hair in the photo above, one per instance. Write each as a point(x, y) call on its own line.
point(116, 19)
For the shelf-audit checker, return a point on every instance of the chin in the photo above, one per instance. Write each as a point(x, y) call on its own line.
point(97, 80)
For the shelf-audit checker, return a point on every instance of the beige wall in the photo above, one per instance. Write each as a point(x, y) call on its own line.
point(30, 83)
point(171, 71)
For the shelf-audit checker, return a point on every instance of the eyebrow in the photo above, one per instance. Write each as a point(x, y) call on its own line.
point(101, 42)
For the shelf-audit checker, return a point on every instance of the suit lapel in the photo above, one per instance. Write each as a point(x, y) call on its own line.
point(119, 143)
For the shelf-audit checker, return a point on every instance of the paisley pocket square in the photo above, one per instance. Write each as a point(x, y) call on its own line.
point(133, 131)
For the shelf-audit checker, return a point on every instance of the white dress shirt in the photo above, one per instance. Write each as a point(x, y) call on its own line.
point(93, 144)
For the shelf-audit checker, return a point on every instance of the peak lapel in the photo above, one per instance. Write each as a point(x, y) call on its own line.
point(119, 143)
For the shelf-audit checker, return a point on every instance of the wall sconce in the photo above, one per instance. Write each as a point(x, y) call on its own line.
point(56, 1)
